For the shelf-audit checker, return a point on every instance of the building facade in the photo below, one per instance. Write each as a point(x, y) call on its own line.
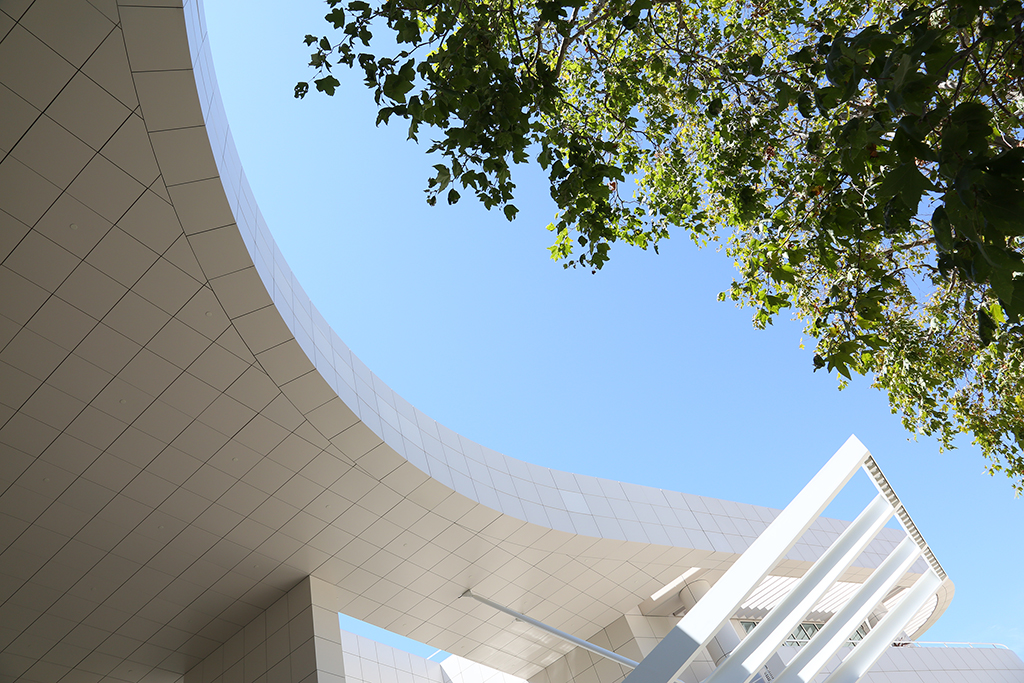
point(197, 474)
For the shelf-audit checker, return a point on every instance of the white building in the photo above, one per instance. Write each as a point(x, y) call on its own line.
point(197, 474)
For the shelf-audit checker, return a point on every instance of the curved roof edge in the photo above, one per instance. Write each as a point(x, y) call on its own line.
point(362, 410)
point(185, 439)
point(361, 402)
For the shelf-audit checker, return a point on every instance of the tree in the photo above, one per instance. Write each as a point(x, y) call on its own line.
point(859, 160)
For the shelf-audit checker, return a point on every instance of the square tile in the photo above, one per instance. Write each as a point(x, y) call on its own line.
point(201, 205)
point(122, 401)
point(156, 38)
point(171, 99)
point(42, 262)
point(108, 67)
point(200, 440)
point(184, 155)
point(189, 395)
point(203, 313)
point(217, 367)
point(254, 388)
point(121, 257)
point(91, 291)
point(88, 111)
point(61, 323)
point(152, 221)
point(106, 189)
point(167, 287)
point(96, 428)
point(130, 150)
point(33, 354)
point(136, 447)
point(178, 343)
point(27, 195)
point(73, 225)
point(174, 466)
point(107, 349)
point(72, 27)
point(241, 292)
point(80, 378)
point(149, 372)
point(23, 298)
point(53, 152)
point(31, 68)
point(16, 117)
point(262, 329)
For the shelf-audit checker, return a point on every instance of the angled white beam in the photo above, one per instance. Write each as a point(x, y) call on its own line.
point(726, 640)
point(676, 651)
point(758, 647)
point(813, 656)
point(885, 631)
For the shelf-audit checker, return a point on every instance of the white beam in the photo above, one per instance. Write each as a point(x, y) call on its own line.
point(676, 651)
point(885, 631)
point(756, 649)
point(813, 656)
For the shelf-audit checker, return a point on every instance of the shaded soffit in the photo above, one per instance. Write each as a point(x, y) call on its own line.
point(184, 438)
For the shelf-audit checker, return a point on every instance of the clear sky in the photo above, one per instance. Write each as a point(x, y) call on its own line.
point(635, 374)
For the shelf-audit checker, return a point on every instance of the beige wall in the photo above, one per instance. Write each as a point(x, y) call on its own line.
point(296, 640)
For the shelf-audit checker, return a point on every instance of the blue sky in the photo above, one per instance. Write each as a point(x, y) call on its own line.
point(636, 374)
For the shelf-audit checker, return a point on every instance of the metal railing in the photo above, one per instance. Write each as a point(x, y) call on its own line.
point(928, 643)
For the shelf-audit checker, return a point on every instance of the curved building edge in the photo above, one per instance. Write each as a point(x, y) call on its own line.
point(361, 402)
point(234, 446)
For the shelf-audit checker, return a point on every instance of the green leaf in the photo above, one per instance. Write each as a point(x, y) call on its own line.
point(510, 211)
point(986, 326)
point(755, 63)
point(813, 142)
point(901, 73)
point(443, 177)
point(397, 85)
point(942, 229)
point(805, 105)
point(327, 84)
point(905, 181)
point(336, 17)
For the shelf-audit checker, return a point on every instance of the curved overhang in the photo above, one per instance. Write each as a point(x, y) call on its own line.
point(185, 438)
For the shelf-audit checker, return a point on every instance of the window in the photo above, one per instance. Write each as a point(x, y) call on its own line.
point(803, 633)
